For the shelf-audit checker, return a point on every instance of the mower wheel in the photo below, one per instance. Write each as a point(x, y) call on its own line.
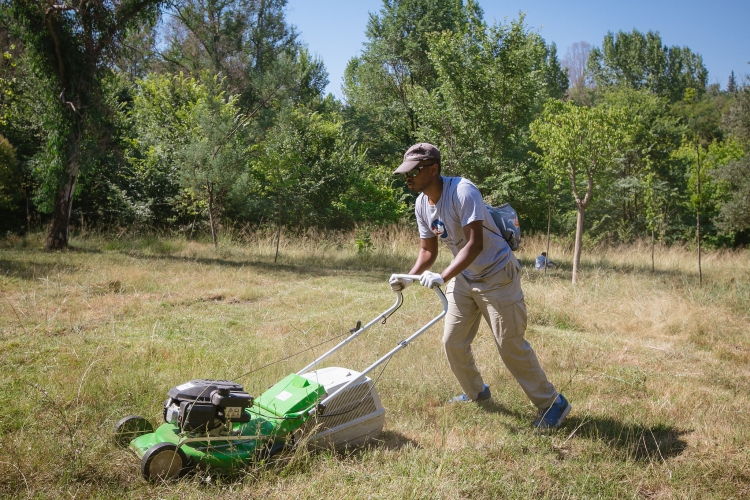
point(269, 450)
point(130, 428)
point(164, 461)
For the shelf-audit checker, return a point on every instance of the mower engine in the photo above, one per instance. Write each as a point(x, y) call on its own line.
point(203, 405)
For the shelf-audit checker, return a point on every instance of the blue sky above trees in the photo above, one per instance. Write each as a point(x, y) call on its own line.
point(335, 29)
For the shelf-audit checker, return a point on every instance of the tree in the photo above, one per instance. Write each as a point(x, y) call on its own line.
point(735, 212)
point(576, 57)
point(737, 118)
point(212, 158)
point(732, 83)
point(160, 120)
point(641, 61)
point(646, 158)
point(240, 39)
point(378, 84)
point(308, 173)
point(574, 61)
point(579, 142)
point(492, 82)
point(74, 43)
point(8, 175)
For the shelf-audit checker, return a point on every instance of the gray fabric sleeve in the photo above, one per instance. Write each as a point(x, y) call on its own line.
point(470, 199)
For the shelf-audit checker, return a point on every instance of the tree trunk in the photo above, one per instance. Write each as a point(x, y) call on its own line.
point(698, 212)
point(211, 212)
point(278, 238)
point(58, 233)
point(579, 241)
point(549, 220)
point(652, 249)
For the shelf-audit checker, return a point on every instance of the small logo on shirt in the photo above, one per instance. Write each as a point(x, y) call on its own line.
point(438, 228)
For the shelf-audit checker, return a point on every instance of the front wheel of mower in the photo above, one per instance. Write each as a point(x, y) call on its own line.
point(130, 428)
point(164, 461)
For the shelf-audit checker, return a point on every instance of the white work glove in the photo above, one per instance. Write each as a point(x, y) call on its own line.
point(398, 284)
point(430, 279)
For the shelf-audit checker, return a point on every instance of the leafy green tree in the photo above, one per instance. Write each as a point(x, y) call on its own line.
point(8, 175)
point(212, 158)
point(737, 119)
point(492, 82)
point(73, 43)
point(582, 144)
point(732, 83)
point(734, 215)
point(646, 159)
point(641, 61)
point(715, 185)
point(308, 173)
point(160, 120)
point(735, 212)
point(378, 84)
point(242, 40)
point(705, 113)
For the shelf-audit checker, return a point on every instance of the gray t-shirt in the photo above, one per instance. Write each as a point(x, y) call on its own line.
point(460, 204)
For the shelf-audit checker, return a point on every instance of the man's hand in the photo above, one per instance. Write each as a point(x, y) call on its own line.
point(430, 279)
point(398, 284)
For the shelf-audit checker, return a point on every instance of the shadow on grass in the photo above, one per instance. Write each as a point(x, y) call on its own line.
point(492, 406)
point(565, 273)
point(31, 270)
point(635, 441)
point(316, 268)
point(391, 440)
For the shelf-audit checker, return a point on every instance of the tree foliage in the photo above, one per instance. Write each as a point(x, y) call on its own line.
point(8, 174)
point(492, 81)
point(642, 61)
point(584, 145)
point(492, 84)
point(219, 118)
point(378, 84)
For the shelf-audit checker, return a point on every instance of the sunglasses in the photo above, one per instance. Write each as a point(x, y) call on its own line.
point(414, 172)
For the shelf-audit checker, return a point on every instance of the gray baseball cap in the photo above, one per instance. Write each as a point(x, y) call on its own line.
point(418, 154)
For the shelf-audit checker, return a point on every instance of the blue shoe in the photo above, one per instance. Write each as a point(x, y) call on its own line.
point(552, 417)
point(482, 396)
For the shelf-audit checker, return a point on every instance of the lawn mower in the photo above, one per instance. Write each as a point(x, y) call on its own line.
point(215, 424)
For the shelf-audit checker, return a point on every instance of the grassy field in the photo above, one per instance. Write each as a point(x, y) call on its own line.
point(656, 367)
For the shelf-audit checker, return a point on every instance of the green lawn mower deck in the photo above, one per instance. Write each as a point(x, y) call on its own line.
point(215, 424)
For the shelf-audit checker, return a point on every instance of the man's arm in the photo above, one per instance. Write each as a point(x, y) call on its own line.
point(428, 251)
point(465, 256)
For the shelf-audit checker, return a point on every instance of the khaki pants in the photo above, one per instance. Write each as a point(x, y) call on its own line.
point(499, 299)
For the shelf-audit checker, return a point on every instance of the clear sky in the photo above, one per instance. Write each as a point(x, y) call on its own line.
point(718, 30)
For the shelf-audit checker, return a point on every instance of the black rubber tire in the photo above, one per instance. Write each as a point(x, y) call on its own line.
point(130, 428)
point(164, 461)
point(270, 449)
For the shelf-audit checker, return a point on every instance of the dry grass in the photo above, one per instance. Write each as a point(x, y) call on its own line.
point(657, 368)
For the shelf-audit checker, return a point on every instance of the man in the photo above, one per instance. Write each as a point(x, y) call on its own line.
point(483, 281)
point(542, 261)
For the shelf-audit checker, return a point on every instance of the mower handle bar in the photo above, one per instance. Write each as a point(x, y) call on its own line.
point(401, 344)
point(383, 316)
